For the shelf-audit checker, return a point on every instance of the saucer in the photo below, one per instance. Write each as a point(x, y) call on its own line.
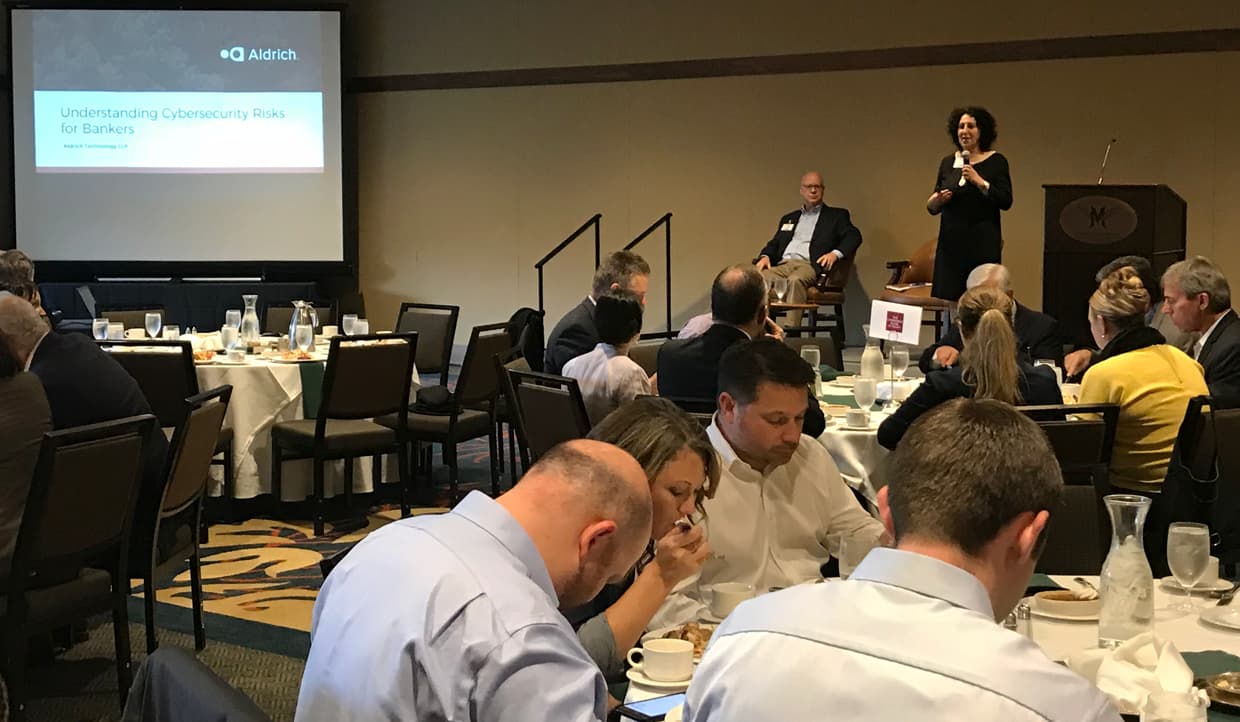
point(849, 427)
point(636, 676)
point(1218, 585)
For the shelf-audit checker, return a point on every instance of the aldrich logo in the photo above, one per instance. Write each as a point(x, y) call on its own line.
point(1098, 220)
point(239, 54)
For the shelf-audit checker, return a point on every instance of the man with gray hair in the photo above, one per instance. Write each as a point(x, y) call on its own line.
point(1037, 333)
point(576, 333)
point(454, 616)
point(1197, 297)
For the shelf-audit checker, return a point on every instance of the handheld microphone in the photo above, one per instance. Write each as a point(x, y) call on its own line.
point(1102, 171)
point(964, 158)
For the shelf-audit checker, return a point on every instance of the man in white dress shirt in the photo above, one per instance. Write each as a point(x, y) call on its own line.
point(454, 618)
point(606, 375)
point(781, 508)
point(912, 634)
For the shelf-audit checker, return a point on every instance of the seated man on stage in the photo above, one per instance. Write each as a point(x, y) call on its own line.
point(807, 242)
point(781, 508)
point(576, 333)
point(1197, 297)
point(1037, 333)
point(911, 634)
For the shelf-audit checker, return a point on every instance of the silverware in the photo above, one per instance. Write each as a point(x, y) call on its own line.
point(1085, 583)
point(1225, 598)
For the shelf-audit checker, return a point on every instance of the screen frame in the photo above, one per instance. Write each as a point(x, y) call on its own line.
point(175, 270)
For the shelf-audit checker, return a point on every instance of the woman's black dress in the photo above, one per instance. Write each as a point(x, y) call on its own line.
point(969, 232)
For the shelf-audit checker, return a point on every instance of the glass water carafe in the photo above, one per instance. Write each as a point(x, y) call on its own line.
point(872, 361)
point(303, 315)
point(1127, 585)
point(250, 329)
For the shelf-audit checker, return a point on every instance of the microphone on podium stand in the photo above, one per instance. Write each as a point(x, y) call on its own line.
point(1102, 171)
point(964, 159)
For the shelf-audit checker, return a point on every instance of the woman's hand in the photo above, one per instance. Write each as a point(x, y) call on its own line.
point(937, 200)
point(679, 554)
point(971, 175)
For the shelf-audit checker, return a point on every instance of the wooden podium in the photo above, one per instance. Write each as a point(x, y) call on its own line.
point(1087, 226)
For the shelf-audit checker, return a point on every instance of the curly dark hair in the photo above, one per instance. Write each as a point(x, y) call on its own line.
point(987, 128)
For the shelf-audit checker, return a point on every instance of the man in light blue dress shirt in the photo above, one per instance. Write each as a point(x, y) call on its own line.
point(912, 634)
point(454, 617)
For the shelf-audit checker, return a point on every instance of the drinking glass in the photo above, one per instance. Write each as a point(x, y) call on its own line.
point(1188, 555)
point(99, 328)
point(1164, 706)
point(153, 322)
point(899, 361)
point(116, 331)
point(229, 336)
point(232, 317)
point(361, 327)
point(780, 286)
point(172, 333)
point(346, 323)
point(866, 392)
point(303, 337)
point(813, 357)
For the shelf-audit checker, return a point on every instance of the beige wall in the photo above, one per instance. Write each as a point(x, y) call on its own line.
point(462, 190)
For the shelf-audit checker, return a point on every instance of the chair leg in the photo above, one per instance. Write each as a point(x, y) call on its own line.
point(277, 479)
point(402, 464)
point(148, 606)
point(493, 443)
point(319, 520)
point(449, 452)
point(376, 473)
point(230, 482)
point(120, 632)
point(195, 587)
point(15, 652)
point(512, 455)
point(499, 440)
point(348, 487)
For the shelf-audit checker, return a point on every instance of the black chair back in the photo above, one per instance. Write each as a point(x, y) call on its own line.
point(193, 445)
point(646, 355)
point(478, 383)
point(277, 316)
point(693, 404)
point(131, 316)
point(549, 410)
point(827, 351)
point(1203, 478)
point(1082, 437)
point(368, 376)
point(81, 500)
point(164, 371)
point(435, 325)
point(1077, 535)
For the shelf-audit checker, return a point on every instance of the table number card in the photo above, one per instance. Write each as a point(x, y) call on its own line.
point(895, 322)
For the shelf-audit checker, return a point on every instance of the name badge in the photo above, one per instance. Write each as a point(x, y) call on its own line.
point(787, 227)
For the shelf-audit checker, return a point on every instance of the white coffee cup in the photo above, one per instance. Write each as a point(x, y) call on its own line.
point(236, 355)
point(329, 331)
point(116, 331)
point(857, 417)
point(727, 596)
point(1211, 575)
point(663, 660)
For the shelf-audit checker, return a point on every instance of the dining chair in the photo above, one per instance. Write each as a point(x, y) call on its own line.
point(550, 410)
point(505, 411)
point(1082, 437)
point(435, 325)
point(79, 510)
point(155, 548)
point(131, 316)
point(367, 377)
point(277, 316)
point(164, 370)
point(646, 355)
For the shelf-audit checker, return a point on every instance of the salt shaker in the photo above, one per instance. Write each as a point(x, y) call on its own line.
point(1024, 620)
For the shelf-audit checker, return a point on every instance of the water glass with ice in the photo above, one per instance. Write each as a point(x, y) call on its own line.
point(346, 323)
point(361, 327)
point(153, 322)
point(99, 328)
point(813, 357)
point(1188, 555)
point(303, 337)
point(232, 317)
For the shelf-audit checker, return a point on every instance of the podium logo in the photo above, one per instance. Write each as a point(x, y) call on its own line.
point(1098, 220)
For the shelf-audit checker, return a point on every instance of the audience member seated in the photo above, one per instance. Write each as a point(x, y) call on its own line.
point(607, 376)
point(1075, 363)
point(1150, 380)
point(17, 277)
point(576, 333)
point(781, 509)
point(689, 368)
point(24, 418)
point(1198, 300)
point(84, 385)
point(1037, 333)
point(912, 633)
point(990, 366)
point(683, 469)
point(454, 616)
point(807, 243)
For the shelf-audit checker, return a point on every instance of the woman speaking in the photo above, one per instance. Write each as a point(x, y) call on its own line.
point(973, 185)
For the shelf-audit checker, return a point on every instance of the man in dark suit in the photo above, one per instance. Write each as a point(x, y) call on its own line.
point(84, 385)
point(807, 243)
point(688, 368)
point(1197, 297)
point(576, 333)
point(1037, 333)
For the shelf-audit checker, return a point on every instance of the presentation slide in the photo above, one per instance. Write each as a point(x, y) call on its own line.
point(177, 135)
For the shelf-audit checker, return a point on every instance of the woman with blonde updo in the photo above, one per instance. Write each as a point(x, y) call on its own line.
point(989, 367)
point(1151, 382)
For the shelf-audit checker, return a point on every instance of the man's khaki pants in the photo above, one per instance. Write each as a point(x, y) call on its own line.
point(801, 276)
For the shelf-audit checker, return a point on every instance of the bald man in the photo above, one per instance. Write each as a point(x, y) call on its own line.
point(454, 616)
point(807, 243)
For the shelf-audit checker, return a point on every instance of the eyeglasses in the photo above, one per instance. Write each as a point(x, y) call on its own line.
point(811, 187)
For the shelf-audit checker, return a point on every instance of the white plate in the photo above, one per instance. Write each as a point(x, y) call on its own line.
point(1033, 610)
point(1218, 585)
point(1226, 617)
point(224, 361)
point(636, 676)
point(846, 381)
point(278, 360)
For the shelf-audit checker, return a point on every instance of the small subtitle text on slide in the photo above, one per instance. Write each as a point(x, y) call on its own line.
point(238, 54)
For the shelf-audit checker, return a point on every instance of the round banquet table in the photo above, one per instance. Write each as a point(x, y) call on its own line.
point(856, 451)
point(266, 393)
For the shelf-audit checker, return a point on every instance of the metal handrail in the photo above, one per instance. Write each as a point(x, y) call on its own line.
point(594, 221)
point(666, 222)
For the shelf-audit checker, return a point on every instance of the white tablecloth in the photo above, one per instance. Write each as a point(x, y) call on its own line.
point(265, 394)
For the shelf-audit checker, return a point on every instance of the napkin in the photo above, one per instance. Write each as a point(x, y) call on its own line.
point(902, 389)
point(1131, 671)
